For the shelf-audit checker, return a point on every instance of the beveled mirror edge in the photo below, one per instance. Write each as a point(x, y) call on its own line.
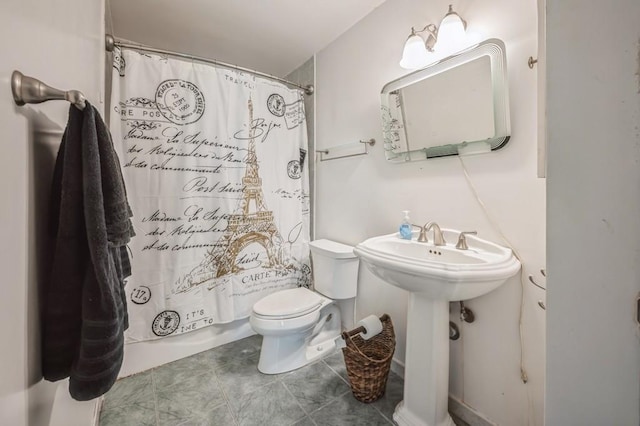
point(496, 50)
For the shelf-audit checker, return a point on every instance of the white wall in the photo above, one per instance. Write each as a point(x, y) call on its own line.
point(593, 110)
point(62, 44)
point(361, 197)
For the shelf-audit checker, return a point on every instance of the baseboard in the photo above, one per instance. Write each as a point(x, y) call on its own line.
point(397, 367)
point(68, 412)
point(97, 409)
point(468, 414)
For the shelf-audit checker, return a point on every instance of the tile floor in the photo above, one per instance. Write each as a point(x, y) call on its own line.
point(223, 387)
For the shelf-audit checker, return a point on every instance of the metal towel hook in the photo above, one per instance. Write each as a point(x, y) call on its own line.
point(532, 281)
point(29, 90)
point(543, 272)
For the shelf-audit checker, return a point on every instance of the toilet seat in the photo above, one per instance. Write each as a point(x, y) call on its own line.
point(285, 304)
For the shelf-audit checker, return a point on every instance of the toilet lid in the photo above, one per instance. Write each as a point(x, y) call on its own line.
point(288, 303)
point(332, 249)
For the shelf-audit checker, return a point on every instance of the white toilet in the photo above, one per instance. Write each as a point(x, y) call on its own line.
point(299, 325)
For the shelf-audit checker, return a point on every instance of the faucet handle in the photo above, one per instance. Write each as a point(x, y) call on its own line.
point(422, 238)
point(462, 240)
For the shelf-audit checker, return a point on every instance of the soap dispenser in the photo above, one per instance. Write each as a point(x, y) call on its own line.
point(405, 226)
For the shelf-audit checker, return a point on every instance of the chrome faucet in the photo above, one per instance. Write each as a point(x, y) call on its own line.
point(438, 239)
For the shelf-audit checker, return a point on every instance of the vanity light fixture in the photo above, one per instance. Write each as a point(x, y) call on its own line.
point(448, 37)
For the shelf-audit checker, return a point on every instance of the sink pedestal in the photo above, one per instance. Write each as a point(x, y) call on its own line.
point(426, 374)
point(433, 276)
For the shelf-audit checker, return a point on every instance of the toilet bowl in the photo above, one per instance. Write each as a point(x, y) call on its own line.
point(299, 325)
point(292, 338)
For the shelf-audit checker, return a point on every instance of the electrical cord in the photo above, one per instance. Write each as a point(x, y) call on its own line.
point(523, 372)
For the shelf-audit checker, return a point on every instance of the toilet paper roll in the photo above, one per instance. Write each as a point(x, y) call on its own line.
point(372, 326)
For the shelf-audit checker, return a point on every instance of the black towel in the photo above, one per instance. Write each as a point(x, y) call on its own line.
point(85, 315)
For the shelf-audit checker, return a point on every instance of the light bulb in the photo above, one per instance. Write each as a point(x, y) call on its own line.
point(451, 34)
point(414, 54)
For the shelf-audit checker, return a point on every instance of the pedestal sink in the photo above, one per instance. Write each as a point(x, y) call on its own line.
point(434, 276)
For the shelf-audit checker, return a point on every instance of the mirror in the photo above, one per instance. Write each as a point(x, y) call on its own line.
point(459, 105)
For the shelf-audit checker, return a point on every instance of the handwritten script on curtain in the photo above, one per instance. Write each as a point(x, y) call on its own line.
point(213, 160)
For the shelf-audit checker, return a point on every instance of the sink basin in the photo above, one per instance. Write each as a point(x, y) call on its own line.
point(441, 272)
point(434, 276)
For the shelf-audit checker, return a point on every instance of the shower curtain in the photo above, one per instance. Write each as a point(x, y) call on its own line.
point(214, 163)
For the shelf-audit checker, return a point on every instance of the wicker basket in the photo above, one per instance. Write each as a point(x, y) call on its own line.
point(368, 361)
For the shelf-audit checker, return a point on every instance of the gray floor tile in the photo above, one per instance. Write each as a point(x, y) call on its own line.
point(306, 421)
point(255, 340)
point(192, 399)
point(240, 376)
point(178, 371)
point(189, 392)
point(137, 414)
point(348, 411)
point(336, 362)
point(314, 385)
point(130, 390)
point(271, 405)
point(392, 396)
point(220, 416)
point(230, 352)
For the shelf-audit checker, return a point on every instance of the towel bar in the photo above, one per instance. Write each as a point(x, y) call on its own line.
point(346, 150)
point(29, 90)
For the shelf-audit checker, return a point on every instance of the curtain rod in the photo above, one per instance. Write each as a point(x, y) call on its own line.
point(112, 43)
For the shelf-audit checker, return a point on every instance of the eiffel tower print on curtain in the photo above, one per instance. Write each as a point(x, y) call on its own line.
point(252, 222)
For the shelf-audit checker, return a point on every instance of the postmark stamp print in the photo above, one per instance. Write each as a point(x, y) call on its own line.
point(276, 105)
point(180, 101)
point(141, 295)
point(294, 114)
point(294, 170)
point(165, 323)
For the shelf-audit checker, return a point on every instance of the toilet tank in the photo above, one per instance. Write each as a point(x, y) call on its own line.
point(335, 269)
